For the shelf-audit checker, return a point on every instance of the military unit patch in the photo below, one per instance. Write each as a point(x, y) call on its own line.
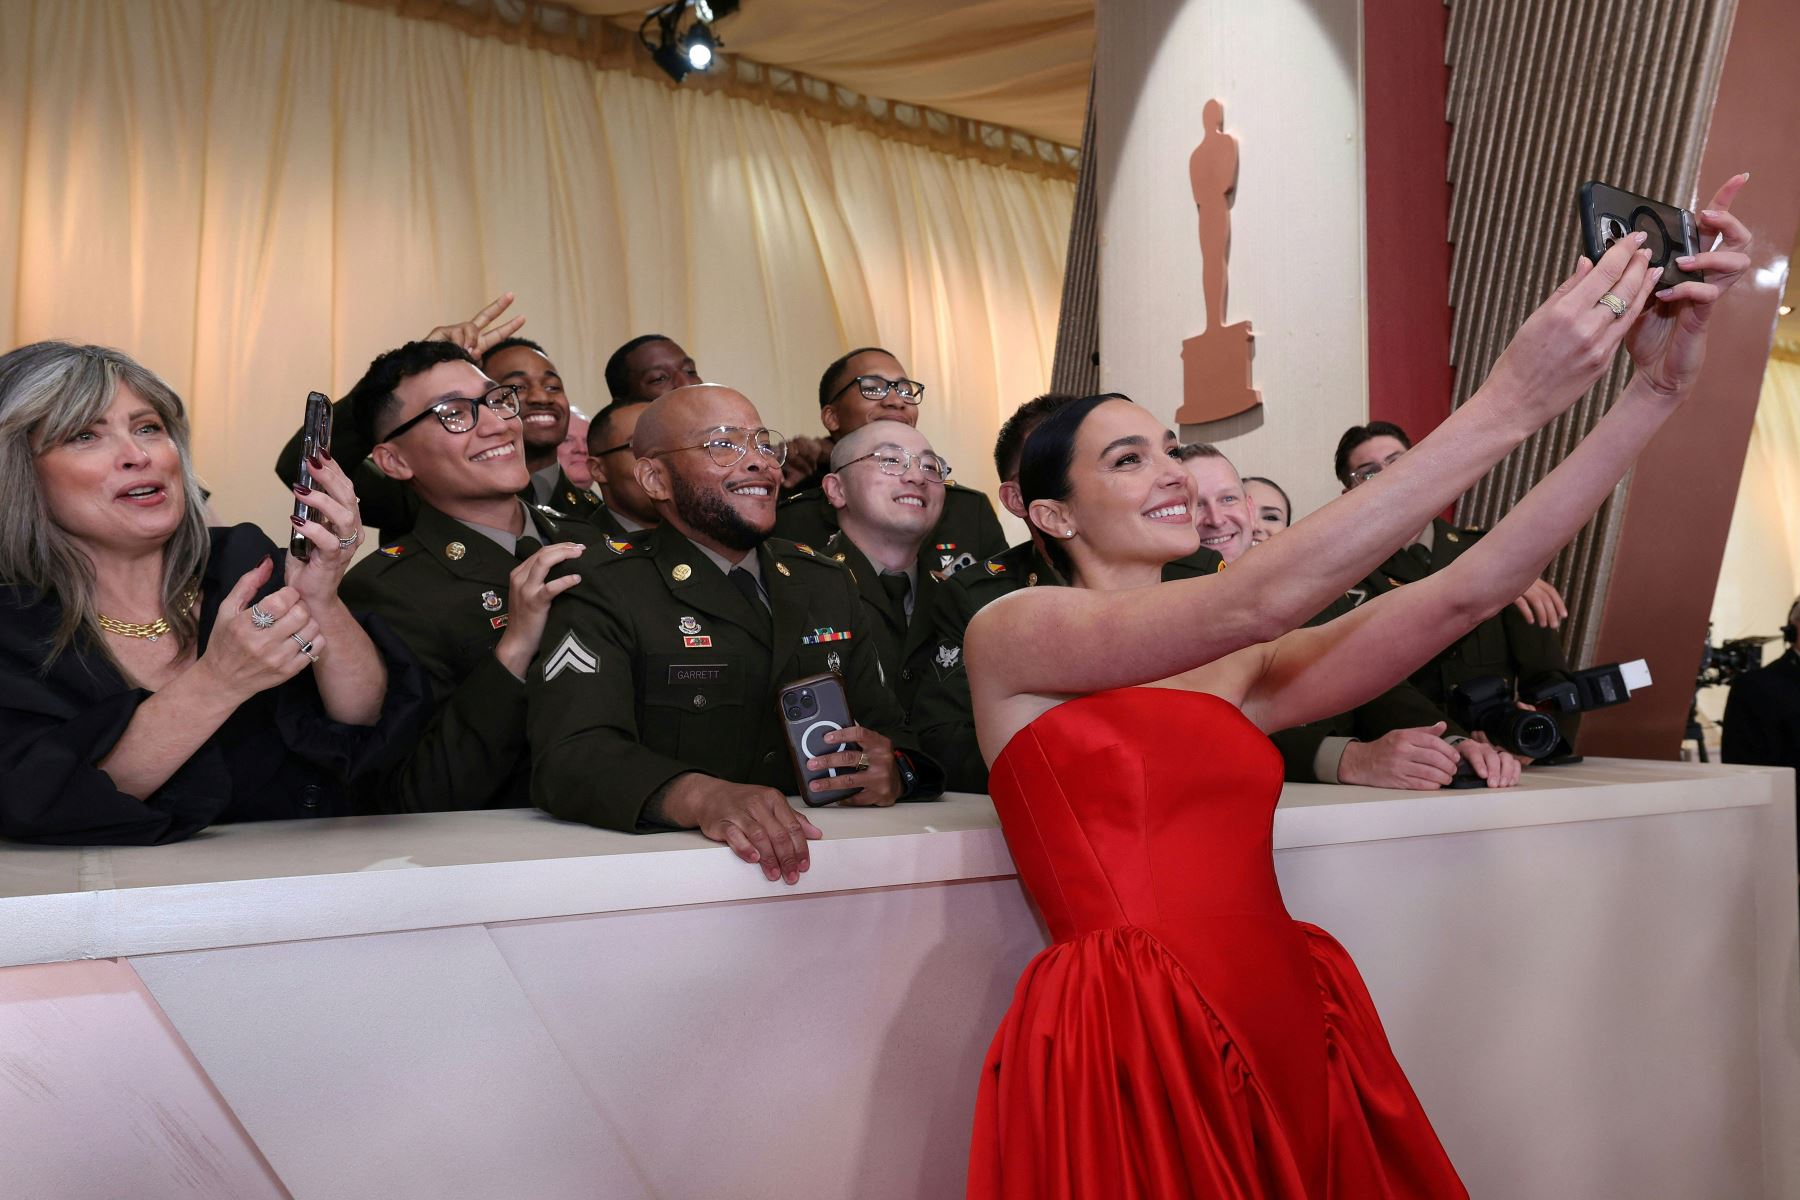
point(393, 551)
point(804, 548)
point(491, 601)
point(617, 545)
point(688, 625)
point(995, 568)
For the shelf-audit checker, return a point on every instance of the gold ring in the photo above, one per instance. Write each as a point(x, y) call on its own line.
point(862, 761)
point(1616, 305)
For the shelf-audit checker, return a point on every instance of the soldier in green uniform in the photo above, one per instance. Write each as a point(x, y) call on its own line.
point(466, 587)
point(1518, 645)
point(652, 702)
point(887, 487)
point(866, 385)
point(627, 509)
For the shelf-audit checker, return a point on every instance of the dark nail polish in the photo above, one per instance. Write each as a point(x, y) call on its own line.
point(297, 522)
point(302, 490)
point(325, 452)
point(315, 461)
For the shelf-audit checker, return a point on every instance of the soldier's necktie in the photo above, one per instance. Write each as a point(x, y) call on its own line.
point(745, 582)
point(898, 585)
point(525, 547)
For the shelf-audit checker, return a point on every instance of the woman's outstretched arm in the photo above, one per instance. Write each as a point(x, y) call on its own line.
point(1313, 672)
point(1117, 639)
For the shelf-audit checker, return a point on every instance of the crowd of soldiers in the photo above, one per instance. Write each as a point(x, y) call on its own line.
point(605, 631)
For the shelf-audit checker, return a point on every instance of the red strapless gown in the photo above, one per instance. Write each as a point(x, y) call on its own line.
point(1183, 1036)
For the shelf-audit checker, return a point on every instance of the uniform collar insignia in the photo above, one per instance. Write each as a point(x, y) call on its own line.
point(393, 551)
point(995, 567)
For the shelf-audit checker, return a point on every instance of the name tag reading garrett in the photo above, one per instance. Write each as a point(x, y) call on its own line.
point(697, 673)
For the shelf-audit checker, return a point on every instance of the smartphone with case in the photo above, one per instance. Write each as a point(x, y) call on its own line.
point(315, 436)
point(1608, 214)
point(810, 709)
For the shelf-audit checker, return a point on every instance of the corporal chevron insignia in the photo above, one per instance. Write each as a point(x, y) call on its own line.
point(569, 655)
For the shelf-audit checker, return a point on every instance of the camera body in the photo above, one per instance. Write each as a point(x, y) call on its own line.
point(1487, 705)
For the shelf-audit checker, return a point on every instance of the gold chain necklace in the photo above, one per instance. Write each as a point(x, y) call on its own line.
point(149, 630)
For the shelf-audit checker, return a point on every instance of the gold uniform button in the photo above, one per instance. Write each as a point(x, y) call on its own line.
point(782, 567)
point(454, 551)
point(680, 571)
point(1031, 579)
point(1451, 534)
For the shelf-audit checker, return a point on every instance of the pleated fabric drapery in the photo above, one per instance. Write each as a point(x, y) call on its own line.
point(1761, 573)
point(257, 198)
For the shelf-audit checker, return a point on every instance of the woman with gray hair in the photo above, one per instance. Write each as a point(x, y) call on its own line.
point(157, 676)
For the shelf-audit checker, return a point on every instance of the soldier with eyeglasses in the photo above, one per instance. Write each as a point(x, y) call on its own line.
point(652, 701)
point(887, 487)
point(867, 385)
point(467, 588)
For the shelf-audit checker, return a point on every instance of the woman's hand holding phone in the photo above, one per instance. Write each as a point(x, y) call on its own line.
point(1668, 342)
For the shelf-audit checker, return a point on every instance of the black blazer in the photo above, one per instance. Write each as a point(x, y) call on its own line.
point(277, 756)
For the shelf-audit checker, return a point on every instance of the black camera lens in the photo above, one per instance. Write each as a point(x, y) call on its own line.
point(793, 713)
point(1531, 735)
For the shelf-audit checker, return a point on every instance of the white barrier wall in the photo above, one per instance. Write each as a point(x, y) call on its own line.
point(1591, 982)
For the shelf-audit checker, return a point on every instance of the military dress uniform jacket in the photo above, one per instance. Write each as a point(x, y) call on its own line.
point(967, 533)
point(1506, 645)
point(442, 587)
point(656, 665)
point(942, 713)
point(900, 639)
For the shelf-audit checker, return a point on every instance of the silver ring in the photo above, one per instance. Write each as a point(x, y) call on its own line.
point(1614, 305)
point(346, 543)
point(259, 618)
point(305, 646)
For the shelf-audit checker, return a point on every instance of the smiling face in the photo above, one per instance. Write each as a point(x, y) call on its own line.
point(118, 483)
point(1268, 511)
point(731, 506)
point(1129, 500)
point(851, 410)
point(448, 469)
point(1221, 516)
point(543, 408)
point(905, 506)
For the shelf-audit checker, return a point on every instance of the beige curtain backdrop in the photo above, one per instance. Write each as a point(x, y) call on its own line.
point(1761, 573)
point(257, 198)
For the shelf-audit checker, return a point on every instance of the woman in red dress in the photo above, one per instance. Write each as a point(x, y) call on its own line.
point(1183, 1036)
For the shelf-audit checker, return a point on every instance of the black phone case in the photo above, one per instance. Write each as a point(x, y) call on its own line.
point(315, 436)
point(1608, 213)
point(803, 734)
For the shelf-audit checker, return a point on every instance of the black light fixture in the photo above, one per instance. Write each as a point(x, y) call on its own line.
point(678, 52)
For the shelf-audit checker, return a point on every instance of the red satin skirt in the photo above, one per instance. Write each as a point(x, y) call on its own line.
point(1113, 1077)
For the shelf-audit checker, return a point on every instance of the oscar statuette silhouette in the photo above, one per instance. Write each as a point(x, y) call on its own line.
point(1216, 362)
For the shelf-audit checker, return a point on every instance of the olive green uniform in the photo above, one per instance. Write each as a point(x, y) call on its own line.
point(442, 587)
point(655, 665)
point(1505, 645)
point(967, 533)
point(942, 712)
point(391, 505)
point(900, 639)
point(1402, 706)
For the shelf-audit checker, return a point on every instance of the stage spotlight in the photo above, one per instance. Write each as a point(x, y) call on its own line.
point(698, 47)
point(713, 10)
point(672, 60)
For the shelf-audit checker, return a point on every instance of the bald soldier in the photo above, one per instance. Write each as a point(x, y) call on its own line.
point(652, 704)
point(887, 487)
point(870, 385)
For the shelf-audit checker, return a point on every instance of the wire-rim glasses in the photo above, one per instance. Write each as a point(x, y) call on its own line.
point(892, 460)
point(727, 445)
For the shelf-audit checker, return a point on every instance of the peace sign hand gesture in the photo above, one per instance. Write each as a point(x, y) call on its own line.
point(482, 330)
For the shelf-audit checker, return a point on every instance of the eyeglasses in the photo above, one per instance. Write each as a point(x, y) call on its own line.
point(894, 461)
point(1369, 471)
point(458, 414)
point(876, 387)
point(726, 445)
